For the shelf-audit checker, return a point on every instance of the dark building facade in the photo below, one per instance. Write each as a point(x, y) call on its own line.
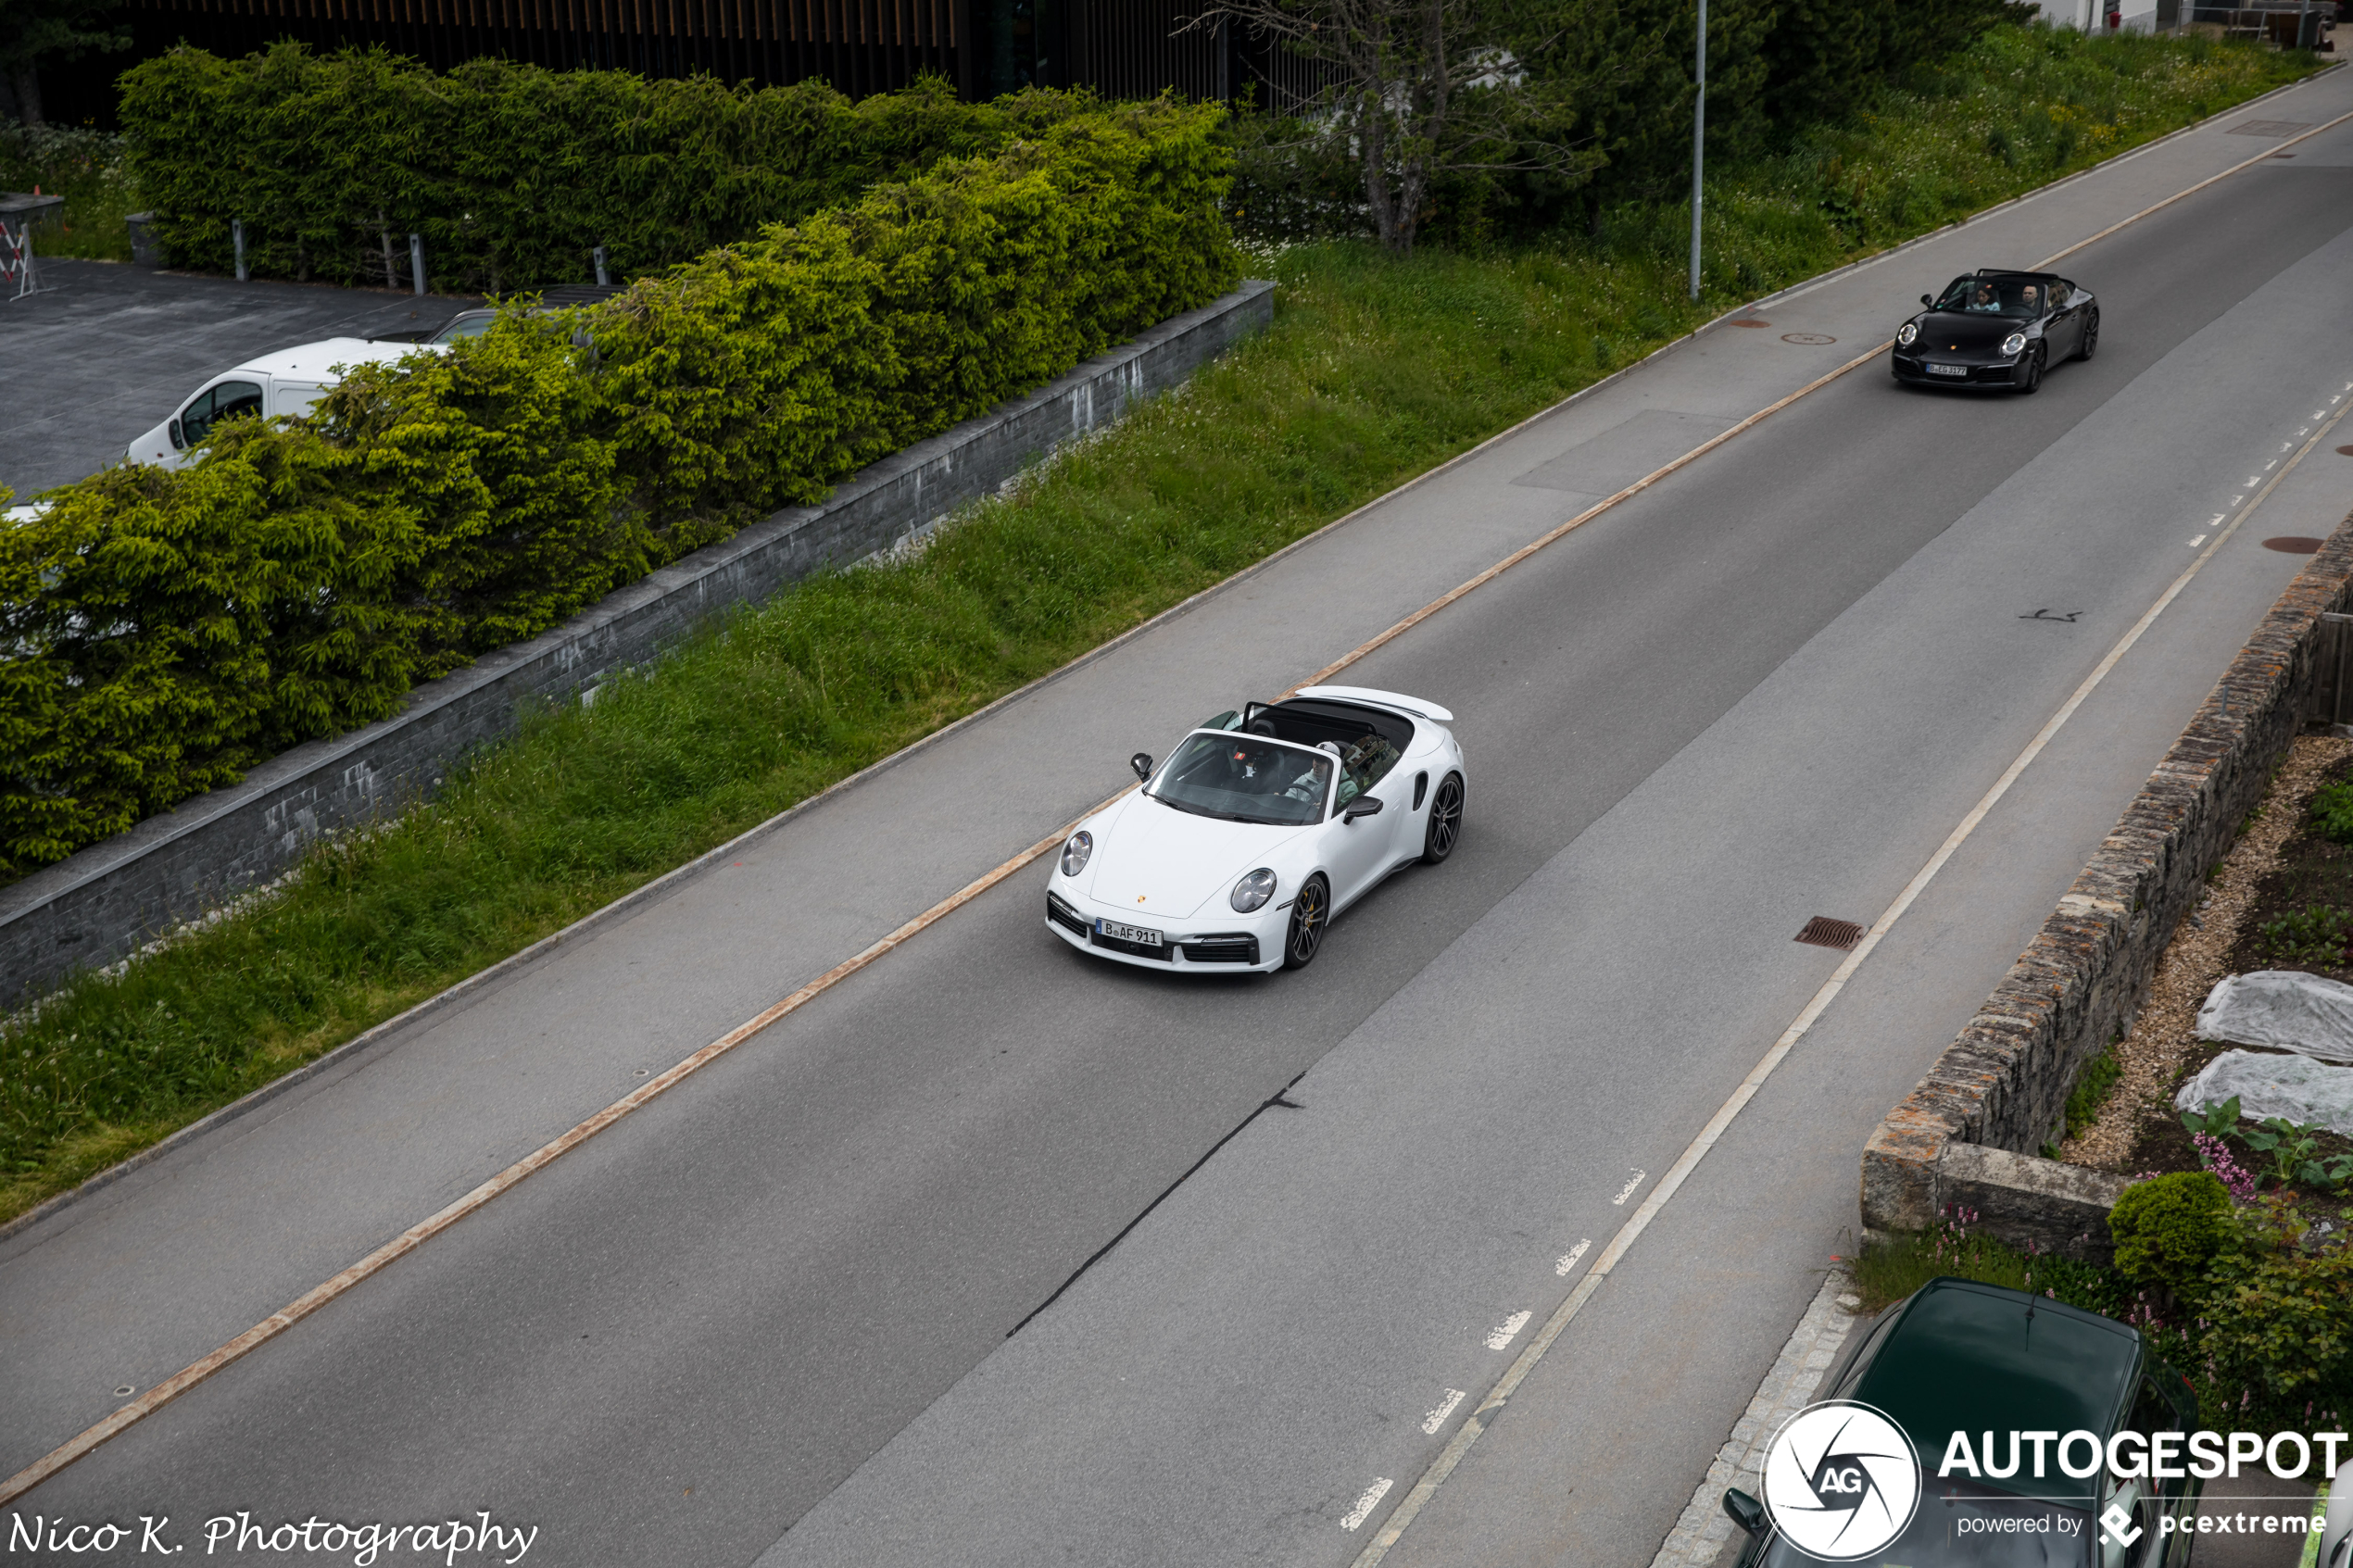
point(1123, 48)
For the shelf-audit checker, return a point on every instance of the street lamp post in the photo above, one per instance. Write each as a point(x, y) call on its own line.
point(1699, 142)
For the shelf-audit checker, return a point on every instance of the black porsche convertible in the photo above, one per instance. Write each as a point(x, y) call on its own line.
point(1997, 329)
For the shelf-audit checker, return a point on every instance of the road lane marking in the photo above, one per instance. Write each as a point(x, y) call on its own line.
point(1568, 1259)
point(408, 1241)
point(1525, 1362)
point(1365, 1502)
point(1437, 1418)
point(1627, 1191)
point(2197, 542)
point(1503, 1332)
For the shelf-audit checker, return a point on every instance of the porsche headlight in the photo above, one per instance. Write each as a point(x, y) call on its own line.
point(1253, 891)
point(1906, 334)
point(2014, 345)
point(1075, 852)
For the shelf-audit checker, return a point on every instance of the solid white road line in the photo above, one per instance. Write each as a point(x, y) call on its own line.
point(1443, 1465)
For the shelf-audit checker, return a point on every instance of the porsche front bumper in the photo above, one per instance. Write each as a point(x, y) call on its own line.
point(1914, 367)
point(1236, 944)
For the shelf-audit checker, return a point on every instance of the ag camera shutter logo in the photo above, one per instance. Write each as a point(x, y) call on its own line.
point(1841, 1481)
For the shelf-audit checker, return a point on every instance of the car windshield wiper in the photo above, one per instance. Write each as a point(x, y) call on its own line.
point(1219, 816)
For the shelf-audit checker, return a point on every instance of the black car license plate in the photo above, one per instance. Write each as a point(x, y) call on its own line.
point(1948, 370)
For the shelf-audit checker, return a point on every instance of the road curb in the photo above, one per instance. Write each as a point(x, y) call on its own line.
point(1700, 1534)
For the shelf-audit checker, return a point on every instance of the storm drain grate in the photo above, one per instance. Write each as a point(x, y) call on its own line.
point(2267, 127)
point(1824, 932)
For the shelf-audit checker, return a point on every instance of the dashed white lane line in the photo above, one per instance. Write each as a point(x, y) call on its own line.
point(1501, 1336)
point(1568, 1259)
point(1437, 1418)
point(1630, 1188)
point(2197, 542)
point(1476, 1424)
point(1366, 1500)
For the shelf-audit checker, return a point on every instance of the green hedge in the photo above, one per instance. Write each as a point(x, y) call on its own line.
point(169, 629)
point(512, 173)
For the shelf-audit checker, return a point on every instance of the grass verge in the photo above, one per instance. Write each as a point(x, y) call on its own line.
point(1374, 370)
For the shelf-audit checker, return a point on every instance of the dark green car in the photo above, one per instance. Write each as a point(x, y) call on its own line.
point(1956, 1356)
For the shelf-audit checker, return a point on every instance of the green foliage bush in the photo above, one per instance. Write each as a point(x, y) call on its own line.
point(513, 173)
point(2332, 812)
point(2278, 1320)
point(169, 629)
point(2169, 1228)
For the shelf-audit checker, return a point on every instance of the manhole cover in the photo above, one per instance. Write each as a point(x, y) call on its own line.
point(1751, 321)
point(2293, 546)
point(1824, 932)
point(1806, 338)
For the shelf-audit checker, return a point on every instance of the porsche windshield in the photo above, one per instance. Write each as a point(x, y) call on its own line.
point(1246, 779)
point(2020, 298)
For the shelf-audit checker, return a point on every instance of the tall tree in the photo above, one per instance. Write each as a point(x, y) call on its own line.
point(35, 30)
point(1417, 89)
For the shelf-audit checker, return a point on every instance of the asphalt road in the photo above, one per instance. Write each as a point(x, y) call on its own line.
point(774, 1311)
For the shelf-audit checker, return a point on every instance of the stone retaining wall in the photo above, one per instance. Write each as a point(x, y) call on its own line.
point(111, 897)
point(1966, 1136)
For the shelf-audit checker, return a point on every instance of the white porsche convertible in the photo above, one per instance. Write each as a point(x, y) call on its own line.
point(1261, 826)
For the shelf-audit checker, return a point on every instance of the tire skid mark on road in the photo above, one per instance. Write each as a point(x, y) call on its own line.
point(416, 1235)
point(1479, 1419)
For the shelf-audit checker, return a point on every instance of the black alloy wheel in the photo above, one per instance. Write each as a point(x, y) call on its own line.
point(1445, 822)
point(2091, 344)
point(1309, 913)
point(2034, 382)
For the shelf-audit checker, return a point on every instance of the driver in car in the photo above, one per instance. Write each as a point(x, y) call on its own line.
point(2030, 298)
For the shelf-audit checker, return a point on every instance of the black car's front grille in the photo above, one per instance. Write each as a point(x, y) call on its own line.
point(1062, 914)
point(1237, 947)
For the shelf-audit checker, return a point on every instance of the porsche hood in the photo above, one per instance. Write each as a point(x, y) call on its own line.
point(1951, 331)
point(1165, 864)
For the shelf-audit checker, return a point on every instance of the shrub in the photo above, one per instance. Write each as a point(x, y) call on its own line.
point(2332, 812)
point(2279, 1321)
point(2169, 1228)
point(169, 629)
point(513, 173)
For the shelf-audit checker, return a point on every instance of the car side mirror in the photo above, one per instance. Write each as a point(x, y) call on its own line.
point(1142, 763)
point(173, 430)
point(1745, 1510)
point(1362, 805)
point(1928, 299)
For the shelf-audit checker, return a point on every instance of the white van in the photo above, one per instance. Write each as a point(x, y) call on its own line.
point(289, 382)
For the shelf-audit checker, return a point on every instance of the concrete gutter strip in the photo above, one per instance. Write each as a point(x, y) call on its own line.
point(1963, 1138)
point(109, 899)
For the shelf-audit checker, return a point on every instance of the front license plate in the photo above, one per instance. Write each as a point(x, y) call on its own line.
point(1948, 370)
point(1135, 933)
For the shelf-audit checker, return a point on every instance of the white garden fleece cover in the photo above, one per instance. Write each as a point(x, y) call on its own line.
point(2283, 1008)
point(2294, 1086)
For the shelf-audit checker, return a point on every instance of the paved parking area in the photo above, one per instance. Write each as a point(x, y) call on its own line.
point(105, 351)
